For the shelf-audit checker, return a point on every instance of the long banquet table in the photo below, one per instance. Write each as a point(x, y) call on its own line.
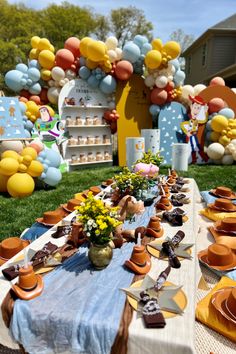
point(181, 334)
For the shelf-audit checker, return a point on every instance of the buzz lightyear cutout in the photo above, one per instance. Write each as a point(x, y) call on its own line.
point(50, 130)
point(198, 115)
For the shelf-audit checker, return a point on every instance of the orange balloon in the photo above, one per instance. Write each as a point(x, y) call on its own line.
point(72, 44)
point(64, 58)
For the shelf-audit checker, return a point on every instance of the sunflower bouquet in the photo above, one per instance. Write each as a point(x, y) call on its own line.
point(99, 221)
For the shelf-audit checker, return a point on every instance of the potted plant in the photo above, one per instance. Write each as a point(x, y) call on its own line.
point(99, 221)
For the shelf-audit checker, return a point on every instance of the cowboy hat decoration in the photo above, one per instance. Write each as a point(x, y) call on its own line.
point(218, 256)
point(10, 247)
point(222, 204)
point(223, 192)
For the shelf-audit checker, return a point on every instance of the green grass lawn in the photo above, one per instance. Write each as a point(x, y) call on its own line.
point(18, 214)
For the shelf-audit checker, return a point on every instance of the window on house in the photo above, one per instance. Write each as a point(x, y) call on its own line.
point(204, 54)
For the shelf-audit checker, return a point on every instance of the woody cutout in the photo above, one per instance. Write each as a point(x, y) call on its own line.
point(198, 110)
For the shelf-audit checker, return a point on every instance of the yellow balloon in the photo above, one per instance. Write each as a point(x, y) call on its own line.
point(224, 140)
point(35, 169)
point(35, 41)
point(34, 53)
point(27, 159)
point(172, 49)
point(46, 74)
point(91, 64)
point(52, 49)
point(214, 136)
point(10, 153)
point(20, 185)
point(8, 166)
point(96, 50)
point(219, 123)
point(22, 168)
point(153, 59)
point(29, 151)
point(3, 183)
point(232, 123)
point(44, 44)
point(46, 59)
point(157, 44)
point(32, 110)
point(232, 134)
point(84, 44)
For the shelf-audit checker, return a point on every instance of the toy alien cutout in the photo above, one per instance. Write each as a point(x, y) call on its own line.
point(198, 115)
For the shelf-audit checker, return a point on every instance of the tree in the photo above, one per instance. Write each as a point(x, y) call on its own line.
point(103, 27)
point(126, 22)
point(185, 40)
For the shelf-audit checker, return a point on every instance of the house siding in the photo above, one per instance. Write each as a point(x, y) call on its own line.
point(223, 52)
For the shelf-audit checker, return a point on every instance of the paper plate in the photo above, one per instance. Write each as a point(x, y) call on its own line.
point(180, 298)
point(155, 253)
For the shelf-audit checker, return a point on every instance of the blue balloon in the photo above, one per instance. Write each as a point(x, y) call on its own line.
point(82, 61)
point(176, 64)
point(42, 154)
point(29, 125)
point(84, 72)
point(53, 158)
point(146, 48)
point(34, 64)
point(45, 166)
point(22, 68)
point(22, 107)
point(131, 52)
point(98, 70)
point(35, 89)
point(40, 159)
point(140, 40)
point(227, 112)
point(23, 82)
point(179, 77)
point(27, 134)
point(154, 109)
point(13, 80)
point(53, 176)
point(92, 81)
point(34, 74)
point(208, 126)
point(108, 84)
point(98, 76)
point(46, 161)
point(208, 136)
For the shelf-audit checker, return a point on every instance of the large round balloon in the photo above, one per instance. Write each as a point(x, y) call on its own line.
point(53, 94)
point(13, 80)
point(157, 44)
point(46, 59)
point(131, 52)
point(11, 145)
point(215, 151)
point(58, 73)
point(43, 43)
point(153, 59)
point(34, 41)
point(8, 166)
point(20, 185)
point(111, 43)
point(72, 44)
point(96, 51)
point(53, 157)
point(10, 153)
point(219, 81)
point(29, 151)
point(158, 96)
point(53, 176)
point(172, 49)
point(64, 58)
point(108, 84)
point(123, 70)
point(84, 45)
point(35, 169)
point(219, 123)
point(215, 105)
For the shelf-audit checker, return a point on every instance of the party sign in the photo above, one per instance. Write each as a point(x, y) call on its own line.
point(170, 117)
point(11, 122)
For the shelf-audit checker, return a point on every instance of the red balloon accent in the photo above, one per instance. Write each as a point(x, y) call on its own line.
point(113, 126)
point(123, 70)
point(106, 114)
point(158, 96)
point(25, 93)
point(35, 147)
point(215, 105)
point(217, 81)
point(72, 44)
point(23, 99)
point(35, 99)
point(43, 95)
point(64, 58)
point(170, 86)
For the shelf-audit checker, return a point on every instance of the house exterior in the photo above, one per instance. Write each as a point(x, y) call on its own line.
point(213, 54)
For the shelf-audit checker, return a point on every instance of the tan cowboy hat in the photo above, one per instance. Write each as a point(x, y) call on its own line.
point(10, 247)
point(227, 225)
point(163, 204)
point(29, 285)
point(154, 228)
point(224, 301)
point(71, 204)
point(140, 261)
point(219, 257)
point(223, 239)
point(51, 218)
point(222, 204)
point(223, 192)
point(95, 190)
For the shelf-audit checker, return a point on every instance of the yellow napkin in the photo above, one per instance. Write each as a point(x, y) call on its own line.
point(216, 215)
point(206, 313)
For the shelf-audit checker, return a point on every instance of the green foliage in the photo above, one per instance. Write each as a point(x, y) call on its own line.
point(149, 157)
point(128, 182)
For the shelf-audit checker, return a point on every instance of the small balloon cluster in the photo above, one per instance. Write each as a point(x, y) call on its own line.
point(18, 169)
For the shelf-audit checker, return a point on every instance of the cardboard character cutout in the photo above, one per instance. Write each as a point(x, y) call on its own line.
point(197, 116)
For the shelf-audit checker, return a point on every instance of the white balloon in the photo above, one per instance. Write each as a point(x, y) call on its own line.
point(227, 160)
point(57, 84)
point(111, 42)
point(215, 151)
point(112, 55)
point(198, 88)
point(62, 83)
point(233, 141)
point(149, 81)
point(57, 73)
point(187, 90)
point(53, 93)
point(11, 145)
point(161, 81)
point(171, 68)
point(118, 53)
point(66, 80)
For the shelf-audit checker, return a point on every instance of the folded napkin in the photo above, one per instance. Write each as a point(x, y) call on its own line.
point(206, 313)
point(216, 215)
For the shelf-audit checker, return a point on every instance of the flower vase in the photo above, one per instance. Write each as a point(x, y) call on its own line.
point(100, 255)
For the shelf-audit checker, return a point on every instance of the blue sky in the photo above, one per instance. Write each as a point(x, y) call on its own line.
point(193, 16)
